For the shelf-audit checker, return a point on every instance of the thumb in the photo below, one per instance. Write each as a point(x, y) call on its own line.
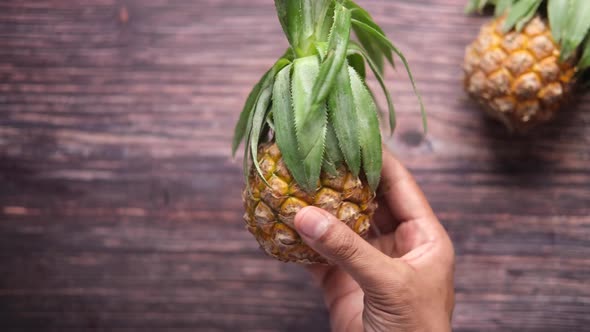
point(334, 240)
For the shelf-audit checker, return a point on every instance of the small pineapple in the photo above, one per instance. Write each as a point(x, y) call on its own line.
point(311, 127)
point(523, 66)
point(270, 210)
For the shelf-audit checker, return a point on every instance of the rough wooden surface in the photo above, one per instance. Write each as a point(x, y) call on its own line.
point(120, 206)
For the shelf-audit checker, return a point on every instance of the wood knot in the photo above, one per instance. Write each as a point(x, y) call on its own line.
point(123, 15)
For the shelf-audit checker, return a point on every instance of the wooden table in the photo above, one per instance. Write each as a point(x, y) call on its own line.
point(120, 205)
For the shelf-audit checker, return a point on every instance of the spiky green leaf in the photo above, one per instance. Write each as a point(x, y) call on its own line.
point(265, 84)
point(332, 149)
point(471, 6)
point(285, 124)
point(577, 27)
point(323, 18)
point(329, 166)
point(384, 39)
point(476, 5)
point(310, 125)
point(360, 14)
point(257, 122)
point(308, 18)
point(520, 24)
point(373, 50)
point(270, 121)
point(241, 129)
point(291, 18)
point(558, 11)
point(322, 48)
point(502, 6)
point(243, 122)
point(337, 45)
point(356, 49)
point(521, 13)
point(246, 160)
point(333, 156)
point(369, 133)
point(305, 22)
point(267, 125)
point(342, 116)
point(357, 62)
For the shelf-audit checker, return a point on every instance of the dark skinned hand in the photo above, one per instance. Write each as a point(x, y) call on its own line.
point(402, 278)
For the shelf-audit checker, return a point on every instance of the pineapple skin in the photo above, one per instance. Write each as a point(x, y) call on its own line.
point(270, 211)
point(517, 77)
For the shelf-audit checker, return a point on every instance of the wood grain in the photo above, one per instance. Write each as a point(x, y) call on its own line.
point(120, 205)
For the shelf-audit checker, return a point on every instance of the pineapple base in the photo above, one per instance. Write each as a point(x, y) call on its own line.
point(270, 211)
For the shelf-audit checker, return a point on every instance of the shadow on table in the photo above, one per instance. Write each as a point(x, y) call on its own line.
point(530, 158)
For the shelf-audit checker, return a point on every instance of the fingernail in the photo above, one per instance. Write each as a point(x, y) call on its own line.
point(312, 223)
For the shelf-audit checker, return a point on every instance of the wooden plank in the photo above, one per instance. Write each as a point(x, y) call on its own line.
point(120, 206)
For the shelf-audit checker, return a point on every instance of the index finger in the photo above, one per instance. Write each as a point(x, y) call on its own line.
point(400, 191)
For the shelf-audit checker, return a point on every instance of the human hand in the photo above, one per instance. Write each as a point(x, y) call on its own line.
point(402, 279)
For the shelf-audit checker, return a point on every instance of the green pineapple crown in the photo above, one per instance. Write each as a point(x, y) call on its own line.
point(314, 99)
point(569, 21)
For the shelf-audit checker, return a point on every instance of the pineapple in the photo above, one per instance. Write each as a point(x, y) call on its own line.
point(523, 66)
point(311, 126)
point(270, 210)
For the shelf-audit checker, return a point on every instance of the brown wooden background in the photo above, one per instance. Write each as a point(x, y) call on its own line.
point(120, 206)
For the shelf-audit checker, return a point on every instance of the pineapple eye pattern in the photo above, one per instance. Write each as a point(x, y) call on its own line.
point(523, 65)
